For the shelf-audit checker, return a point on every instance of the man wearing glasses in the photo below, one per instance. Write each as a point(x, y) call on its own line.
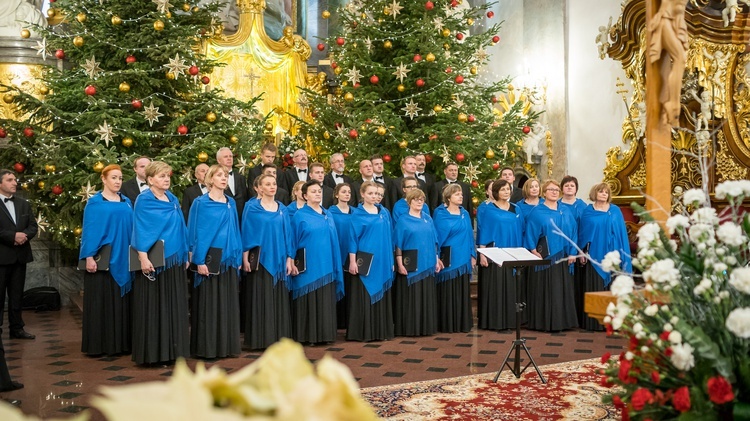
point(401, 207)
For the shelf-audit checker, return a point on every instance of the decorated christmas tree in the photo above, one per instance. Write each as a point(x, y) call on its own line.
point(410, 79)
point(132, 83)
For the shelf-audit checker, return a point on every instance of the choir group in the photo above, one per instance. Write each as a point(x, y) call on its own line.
point(309, 253)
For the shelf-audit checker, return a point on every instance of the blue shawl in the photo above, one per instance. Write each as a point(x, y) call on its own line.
point(316, 233)
point(214, 224)
point(526, 208)
point(540, 223)
point(418, 233)
point(270, 231)
point(576, 209)
point(606, 232)
point(343, 228)
point(401, 208)
point(292, 209)
point(499, 227)
point(156, 220)
point(456, 232)
point(111, 223)
point(371, 233)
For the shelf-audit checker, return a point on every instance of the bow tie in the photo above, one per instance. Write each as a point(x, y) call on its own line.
point(142, 184)
point(301, 169)
point(339, 175)
point(202, 186)
point(9, 199)
point(379, 177)
point(231, 173)
point(419, 174)
point(451, 182)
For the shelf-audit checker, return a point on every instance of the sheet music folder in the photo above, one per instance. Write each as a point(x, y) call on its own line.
point(512, 256)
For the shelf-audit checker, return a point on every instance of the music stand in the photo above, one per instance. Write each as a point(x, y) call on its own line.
point(517, 259)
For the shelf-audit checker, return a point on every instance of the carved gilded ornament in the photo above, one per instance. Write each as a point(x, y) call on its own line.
point(25, 76)
point(637, 179)
point(686, 155)
point(714, 63)
point(726, 165)
point(739, 120)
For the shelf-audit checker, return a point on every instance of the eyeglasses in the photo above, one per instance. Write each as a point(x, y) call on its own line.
point(553, 190)
point(418, 199)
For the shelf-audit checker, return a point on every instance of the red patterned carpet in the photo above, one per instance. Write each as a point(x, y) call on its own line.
point(572, 392)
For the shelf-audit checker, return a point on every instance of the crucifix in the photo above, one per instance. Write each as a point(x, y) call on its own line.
point(253, 77)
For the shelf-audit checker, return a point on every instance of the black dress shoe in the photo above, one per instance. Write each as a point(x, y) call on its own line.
point(21, 334)
point(13, 386)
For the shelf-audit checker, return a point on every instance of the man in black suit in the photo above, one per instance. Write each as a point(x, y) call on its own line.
point(237, 186)
point(378, 176)
point(421, 174)
point(516, 194)
point(133, 187)
point(298, 172)
point(17, 228)
point(267, 156)
point(196, 190)
point(451, 177)
point(365, 171)
point(282, 195)
point(317, 173)
point(409, 168)
point(337, 176)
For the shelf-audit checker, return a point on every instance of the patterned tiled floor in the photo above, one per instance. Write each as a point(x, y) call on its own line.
point(58, 379)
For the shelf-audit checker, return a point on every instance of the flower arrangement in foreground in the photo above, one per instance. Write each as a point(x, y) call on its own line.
point(689, 350)
point(281, 385)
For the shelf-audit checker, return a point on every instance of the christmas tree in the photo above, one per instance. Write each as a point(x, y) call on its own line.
point(134, 84)
point(410, 81)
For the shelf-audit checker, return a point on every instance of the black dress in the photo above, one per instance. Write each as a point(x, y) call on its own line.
point(587, 280)
point(314, 316)
point(454, 304)
point(269, 310)
point(415, 310)
point(551, 296)
point(106, 316)
point(215, 317)
point(367, 321)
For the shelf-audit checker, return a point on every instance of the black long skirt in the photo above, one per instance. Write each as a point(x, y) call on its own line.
point(106, 316)
point(268, 317)
point(551, 299)
point(414, 307)
point(368, 321)
point(215, 317)
point(589, 281)
point(497, 304)
point(314, 316)
point(454, 305)
point(160, 317)
point(342, 306)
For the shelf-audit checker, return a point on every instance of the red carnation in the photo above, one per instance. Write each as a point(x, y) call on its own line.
point(664, 336)
point(668, 351)
point(719, 390)
point(605, 357)
point(617, 402)
point(655, 377)
point(633, 343)
point(625, 414)
point(604, 382)
point(641, 398)
point(681, 399)
point(625, 366)
point(610, 329)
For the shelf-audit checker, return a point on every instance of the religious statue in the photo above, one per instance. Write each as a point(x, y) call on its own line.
point(669, 43)
point(16, 15)
point(531, 142)
point(705, 113)
point(602, 39)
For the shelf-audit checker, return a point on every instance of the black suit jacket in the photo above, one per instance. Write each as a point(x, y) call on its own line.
point(240, 193)
point(387, 199)
point(516, 195)
point(282, 195)
point(437, 196)
point(429, 181)
point(327, 197)
point(26, 223)
point(188, 196)
point(252, 175)
point(397, 192)
point(330, 182)
point(131, 190)
point(290, 178)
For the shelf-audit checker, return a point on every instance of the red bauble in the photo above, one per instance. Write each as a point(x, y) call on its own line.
point(471, 118)
point(459, 79)
point(420, 83)
point(346, 155)
point(368, 121)
point(459, 36)
point(182, 129)
point(340, 41)
point(57, 189)
point(429, 5)
point(386, 158)
point(60, 54)
point(493, 99)
point(357, 85)
point(321, 47)
point(353, 133)
point(428, 158)
point(28, 132)
point(458, 137)
point(474, 184)
point(526, 129)
point(3, 133)
point(449, 70)
point(205, 80)
point(136, 103)
point(417, 58)
point(19, 167)
point(460, 157)
point(495, 166)
point(433, 136)
point(490, 14)
point(130, 59)
point(194, 70)
point(454, 3)
point(334, 65)
point(90, 90)
point(314, 114)
point(496, 39)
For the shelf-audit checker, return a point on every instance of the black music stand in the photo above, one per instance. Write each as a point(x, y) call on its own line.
point(519, 342)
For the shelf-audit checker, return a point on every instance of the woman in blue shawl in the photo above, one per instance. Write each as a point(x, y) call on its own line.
point(316, 289)
point(107, 220)
point(499, 224)
point(602, 228)
point(369, 296)
point(268, 303)
point(341, 213)
point(531, 196)
point(298, 202)
point(551, 292)
point(454, 231)
point(575, 206)
point(215, 313)
point(160, 295)
point(401, 207)
point(414, 293)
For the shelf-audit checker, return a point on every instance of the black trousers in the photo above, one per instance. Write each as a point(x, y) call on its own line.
point(5, 380)
point(12, 282)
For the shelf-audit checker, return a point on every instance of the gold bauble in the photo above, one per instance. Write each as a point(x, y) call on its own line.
point(437, 108)
point(381, 131)
point(326, 135)
point(25, 33)
point(326, 14)
point(99, 166)
point(78, 41)
point(349, 96)
point(158, 25)
point(124, 87)
point(43, 90)
point(337, 70)
point(462, 117)
point(430, 57)
point(196, 9)
point(116, 20)
point(81, 17)
point(386, 10)
point(185, 7)
point(446, 46)
point(78, 231)
point(49, 168)
point(168, 15)
point(387, 45)
point(475, 201)
point(470, 21)
point(127, 142)
point(210, 116)
point(234, 139)
point(40, 185)
point(25, 186)
point(268, 127)
point(403, 144)
point(51, 12)
point(473, 70)
point(489, 154)
point(345, 83)
point(202, 156)
point(8, 98)
point(171, 76)
point(364, 15)
point(446, 32)
point(338, 91)
point(401, 88)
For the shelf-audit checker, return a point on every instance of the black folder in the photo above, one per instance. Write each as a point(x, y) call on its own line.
point(542, 247)
point(445, 255)
point(101, 258)
point(300, 260)
point(586, 248)
point(213, 261)
point(409, 259)
point(253, 257)
point(155, 255)
point(364, 262)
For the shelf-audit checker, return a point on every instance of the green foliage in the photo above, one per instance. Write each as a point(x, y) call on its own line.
point(65, 147)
